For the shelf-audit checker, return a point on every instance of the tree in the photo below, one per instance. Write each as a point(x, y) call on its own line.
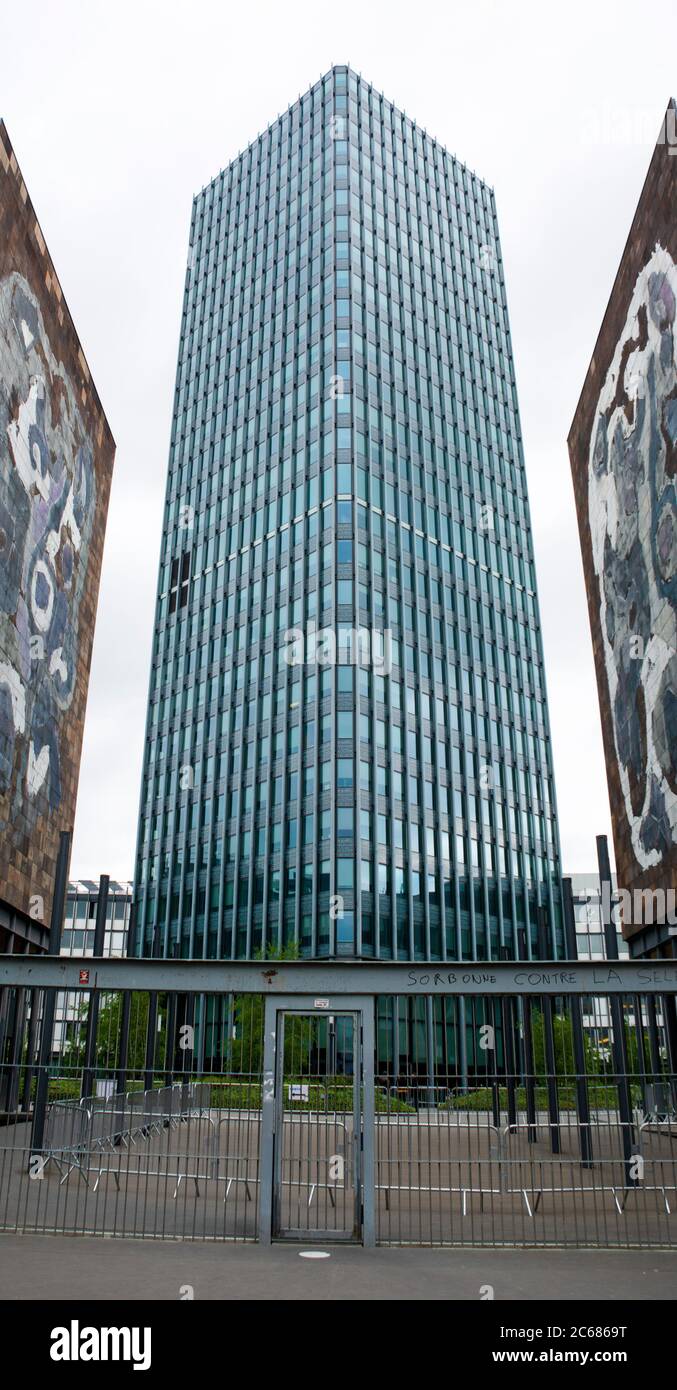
point(563, 1038)
point(108, 1032)
point(246, 1051)
point(107, 1052)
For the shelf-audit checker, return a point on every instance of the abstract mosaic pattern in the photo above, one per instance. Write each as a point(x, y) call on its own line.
point(47, 505)
point(632, 502)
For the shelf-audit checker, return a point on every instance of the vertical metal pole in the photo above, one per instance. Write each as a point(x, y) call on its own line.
point(131, 930)
point(7, 996)
point(268, 1100)
point(551, 1072)
point(576, 1011)
point(93, 1007)
point(492, 1008)
point(447, 1008)
point(430, 1048)
point(331, 1047)
point(123, 1055)
point(15, 1055)
point(510, 1057)
point(395, 1027)
point(368, 1125)
point(217, 1051)
point(509, 1017)
point(174, 1059)
point(620, 1054)
point(670, 1025)
point(12, 1044)
point(608, 926)
point(654, 1040)
point(529, 1077)
point(151, 1037)
point(230, 1020)
point(582, 1098)
point(60, 887)
point(639, 1034)
point(462, 1044)
point(549, 1037)
point(202, 1031)
point(186, 1055)
point(519, 1039)
point(126, 1008)
point(49, 997)
point(34, 1001)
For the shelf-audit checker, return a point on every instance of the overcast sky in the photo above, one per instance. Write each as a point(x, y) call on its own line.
point(120, 113)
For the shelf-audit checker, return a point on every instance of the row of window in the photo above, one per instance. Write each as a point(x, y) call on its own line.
point(84, 909)
point(486, 528)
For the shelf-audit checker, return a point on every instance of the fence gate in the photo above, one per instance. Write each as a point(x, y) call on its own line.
point(497, 1105)
point(317, 1139)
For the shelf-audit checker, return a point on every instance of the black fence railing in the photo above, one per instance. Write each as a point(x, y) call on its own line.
point(497, 1121)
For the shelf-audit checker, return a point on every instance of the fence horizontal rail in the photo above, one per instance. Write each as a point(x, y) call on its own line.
point(339, 977)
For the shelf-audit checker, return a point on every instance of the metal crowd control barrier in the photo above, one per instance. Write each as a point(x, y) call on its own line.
point(659, 1103)
point(417, 1124)
point(233, 1164)
point(77, 1132)
point(66, 1139)
point(146, 1115)
point(595, 1129)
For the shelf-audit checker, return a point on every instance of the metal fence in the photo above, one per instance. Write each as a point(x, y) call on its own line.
point(463, 1172)
point(491, 1120)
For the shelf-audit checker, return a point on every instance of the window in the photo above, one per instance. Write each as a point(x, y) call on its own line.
point(344, 772)
point(344, 875)
point(344, 724)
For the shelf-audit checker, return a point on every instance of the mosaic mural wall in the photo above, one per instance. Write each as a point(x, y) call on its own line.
point(623, 447)
point(56, 457)
point(633, 529)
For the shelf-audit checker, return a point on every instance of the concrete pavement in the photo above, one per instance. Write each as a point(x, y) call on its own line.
point(83, 1267)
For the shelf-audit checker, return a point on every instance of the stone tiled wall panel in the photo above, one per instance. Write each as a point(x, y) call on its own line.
point(56, 463)
point(624, 467)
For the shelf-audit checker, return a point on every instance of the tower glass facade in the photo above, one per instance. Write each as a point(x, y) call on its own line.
point(346, 461)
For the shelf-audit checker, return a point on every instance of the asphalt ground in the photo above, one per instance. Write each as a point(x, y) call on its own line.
point(107, 1268)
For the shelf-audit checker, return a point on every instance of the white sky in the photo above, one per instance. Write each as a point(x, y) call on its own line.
point(120, 113)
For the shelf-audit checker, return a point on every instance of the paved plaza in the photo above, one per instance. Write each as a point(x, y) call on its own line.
point(63, 1267)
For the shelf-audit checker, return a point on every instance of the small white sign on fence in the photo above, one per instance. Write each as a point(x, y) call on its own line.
point(297, 1092)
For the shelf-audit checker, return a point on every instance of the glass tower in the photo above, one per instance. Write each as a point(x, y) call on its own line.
point(347, 742)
